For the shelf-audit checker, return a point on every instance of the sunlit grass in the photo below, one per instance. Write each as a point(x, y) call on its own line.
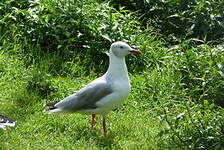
point(128, 127)
point(50, 50)
point(126, 130)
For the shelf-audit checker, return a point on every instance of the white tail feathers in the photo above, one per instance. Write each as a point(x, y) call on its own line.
point(53, 111)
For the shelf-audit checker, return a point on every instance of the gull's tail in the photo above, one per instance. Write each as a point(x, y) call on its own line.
point(51, 108)
point(6, 122)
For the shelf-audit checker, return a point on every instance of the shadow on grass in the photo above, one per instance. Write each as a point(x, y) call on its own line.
point(107, 141)
point(88, 134)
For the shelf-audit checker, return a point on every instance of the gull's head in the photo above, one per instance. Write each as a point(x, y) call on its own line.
point(121, 49)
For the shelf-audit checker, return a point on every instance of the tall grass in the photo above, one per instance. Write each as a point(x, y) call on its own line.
point(49, 49)
point(201, 19)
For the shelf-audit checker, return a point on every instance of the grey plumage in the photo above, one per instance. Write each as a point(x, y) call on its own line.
point(83, 99)
point(103, 94)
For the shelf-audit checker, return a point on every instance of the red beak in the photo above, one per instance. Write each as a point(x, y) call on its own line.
point(136, 52)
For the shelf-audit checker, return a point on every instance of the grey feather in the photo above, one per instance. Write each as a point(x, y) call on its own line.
point(85, 98)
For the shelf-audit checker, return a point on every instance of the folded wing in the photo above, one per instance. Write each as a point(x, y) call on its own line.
point(85, 98)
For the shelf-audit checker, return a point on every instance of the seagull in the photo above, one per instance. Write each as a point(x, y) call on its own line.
point(6, 122)
point(104, 93)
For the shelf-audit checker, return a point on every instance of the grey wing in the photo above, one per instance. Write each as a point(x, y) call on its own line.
point(85, 98)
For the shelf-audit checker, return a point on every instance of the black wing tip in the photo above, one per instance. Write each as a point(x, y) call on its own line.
point(50, 106)
point(4, 119)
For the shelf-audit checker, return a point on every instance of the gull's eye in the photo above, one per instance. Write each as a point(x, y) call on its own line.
point(121, 47)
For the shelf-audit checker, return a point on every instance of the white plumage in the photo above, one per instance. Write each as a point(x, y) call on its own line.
point(103, 94)
point(5, 122)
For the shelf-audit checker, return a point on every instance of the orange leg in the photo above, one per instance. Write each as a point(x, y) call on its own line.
point(104, 127)
point(93, 120)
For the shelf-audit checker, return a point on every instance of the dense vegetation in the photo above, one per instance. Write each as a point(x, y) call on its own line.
point(49, 49)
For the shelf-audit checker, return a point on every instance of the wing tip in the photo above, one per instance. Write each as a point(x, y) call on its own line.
point(6, 122)
point(50, 107)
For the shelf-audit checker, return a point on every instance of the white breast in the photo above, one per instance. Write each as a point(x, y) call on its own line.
point(121, 90)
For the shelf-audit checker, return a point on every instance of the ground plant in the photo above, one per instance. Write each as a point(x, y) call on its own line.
point(51, 48)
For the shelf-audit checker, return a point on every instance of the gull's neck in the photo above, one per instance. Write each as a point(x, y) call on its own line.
point(117, 67)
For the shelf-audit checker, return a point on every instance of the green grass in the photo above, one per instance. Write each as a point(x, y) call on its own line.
point(126, 130)
point(48, 51)
point(128, 127)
